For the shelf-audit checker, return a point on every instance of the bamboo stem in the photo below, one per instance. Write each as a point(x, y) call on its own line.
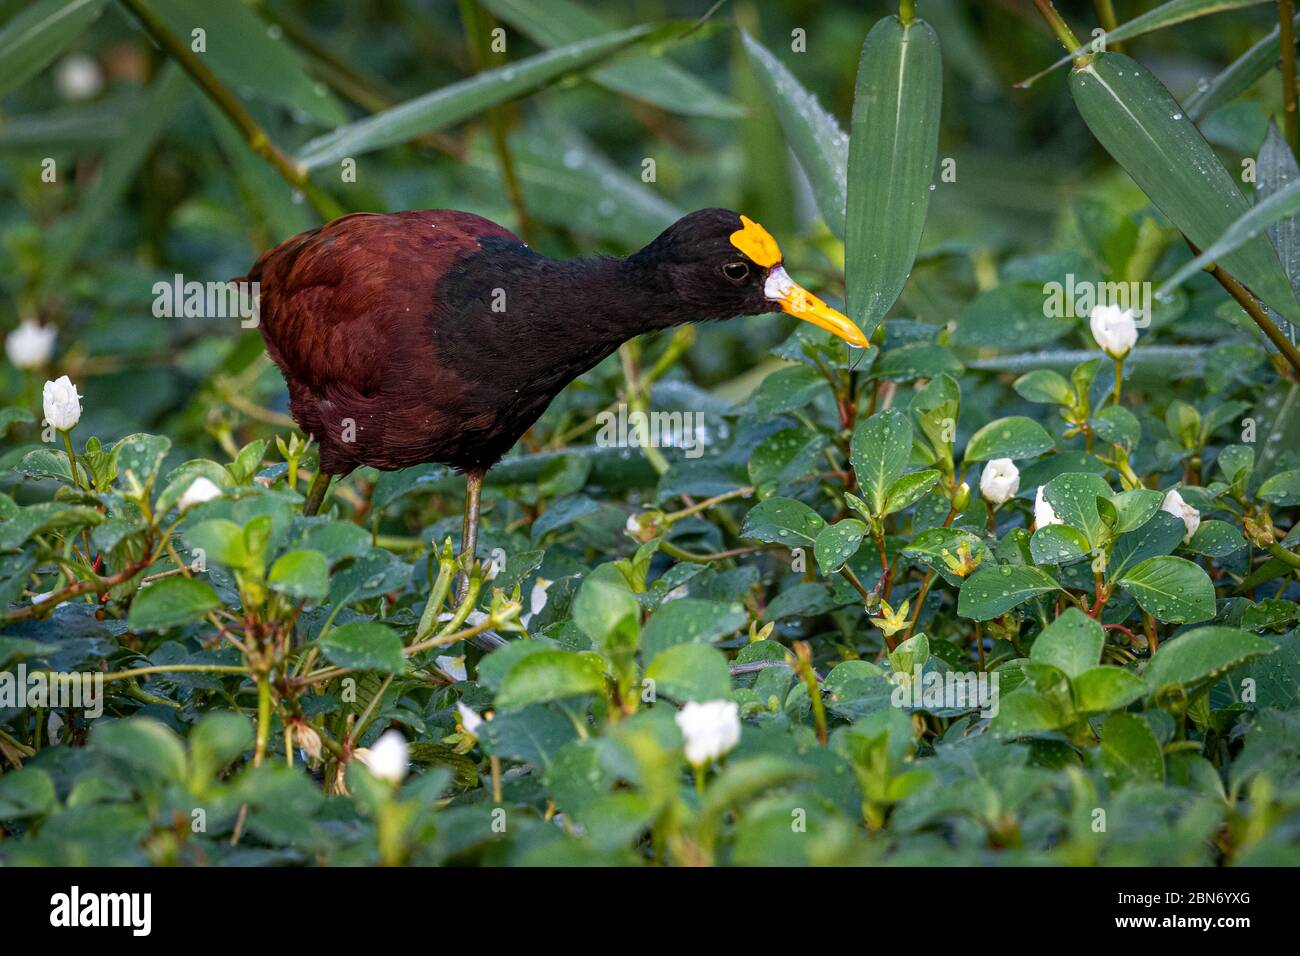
point(1058, 25)
point(1248, 302)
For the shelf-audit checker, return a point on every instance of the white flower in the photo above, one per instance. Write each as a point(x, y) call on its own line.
point(62, 403)
point(1114, 329)
point(390, 757)
point(31, 344)
point(470, 720)
point(78, 77)
point(536, 600)
point(1176, 506)
point(1043, 513)
point(453, 667)
point(709, 729)
point(1000, 480)
point(200, 490)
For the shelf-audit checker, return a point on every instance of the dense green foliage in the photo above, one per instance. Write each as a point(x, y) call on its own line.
point(985, 502)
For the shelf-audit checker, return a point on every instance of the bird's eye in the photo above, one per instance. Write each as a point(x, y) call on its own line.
point(736, 271)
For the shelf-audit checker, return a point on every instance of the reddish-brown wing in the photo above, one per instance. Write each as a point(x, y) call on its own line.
point(337, 302)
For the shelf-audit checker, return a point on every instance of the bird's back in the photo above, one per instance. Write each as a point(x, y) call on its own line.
point(348, 311)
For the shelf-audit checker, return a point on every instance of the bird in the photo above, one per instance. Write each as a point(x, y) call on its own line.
point(440, 336)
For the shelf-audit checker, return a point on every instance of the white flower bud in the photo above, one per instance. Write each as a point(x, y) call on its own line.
point(78, 77)
point(390, 757)
point(1180, 509)
point(1000, 480)
point(1114, 329)
point(709, 729)
point(1043, 513)
point(62, 403)
point(200, 490)
point(31, 344)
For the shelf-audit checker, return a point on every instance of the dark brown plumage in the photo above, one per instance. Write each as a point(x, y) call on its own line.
point(438, 336)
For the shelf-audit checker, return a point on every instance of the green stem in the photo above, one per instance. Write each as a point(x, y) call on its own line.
point(256, 138)
point(907, 11)
point(1119, 378)
point(72, 458)
point(1283, 555)
point(1106, 16)
point(1058, 25)
point(263, 717)
point(1248, 302)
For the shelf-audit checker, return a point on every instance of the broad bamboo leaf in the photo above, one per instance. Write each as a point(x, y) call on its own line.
point(34, 37)
point(1275, 170)
point(649, 78)
point(146, 125)
point(894, 138)
point(248, 56)
point(459, 101)
point(1282, 205)
point(1165, 15)
point(812, 134)
point(1149, 135)
point(1238, 76)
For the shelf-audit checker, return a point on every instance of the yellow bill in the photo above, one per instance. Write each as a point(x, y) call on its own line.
point(757, 243)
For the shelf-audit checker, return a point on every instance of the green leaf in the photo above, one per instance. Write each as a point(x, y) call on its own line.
point(894, 139)
point(1015, 437)
point(1157, 144)
point(690, 621)
point(460, 101)
point(35, 36)
point(909, 489)
point(1171, 589)
point(301, 574)
point(1216, 539)
point(649, 78)
point(221, 540)
point(1073, 496)
point(1045, 387)
point(914, 360)
point(1024, 712)
point(143, 744)
point(550, 675)
point(43, 517)
point(26, 793)
point(1009, 317)
point(812, 134)
point(910, 655)
point(783, 521)
point(1130, 751)
point(991, 592)
point(837, 543)
point(783, 457)
point(1099, 689)
point(1283, 489)
point(171, 602)
point(880, 449)
point(1238, 76)
point(364, 645)
point(1058, 544)
point(1203, 654)
point(690, 672)
point(1072, 642)
point(788, 389)
point(606, 610)
point(1129, 510)
point(217, 739)
point(139, 457)
point(1161, 535)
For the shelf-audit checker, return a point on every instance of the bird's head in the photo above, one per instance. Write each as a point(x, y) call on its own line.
point(718, 264)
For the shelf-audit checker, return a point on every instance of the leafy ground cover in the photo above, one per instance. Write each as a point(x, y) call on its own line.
point(1016, 585)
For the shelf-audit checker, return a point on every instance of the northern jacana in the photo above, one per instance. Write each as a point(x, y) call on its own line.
point(439, 336)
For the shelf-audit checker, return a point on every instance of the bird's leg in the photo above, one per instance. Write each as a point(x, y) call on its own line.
point(316, 493)
point(469, 530)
